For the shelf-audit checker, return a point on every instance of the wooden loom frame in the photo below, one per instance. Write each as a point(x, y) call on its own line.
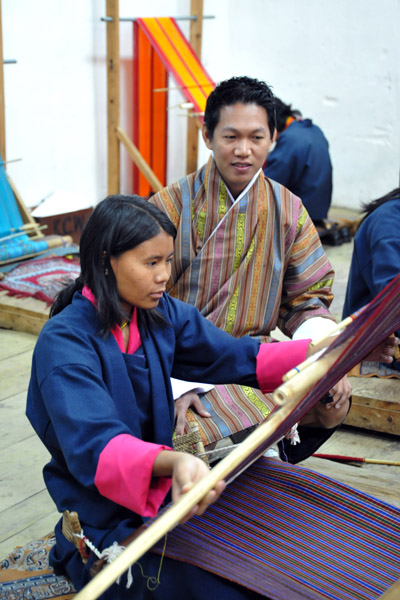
point(25, 214)
point(292, 399)
point(115, 133)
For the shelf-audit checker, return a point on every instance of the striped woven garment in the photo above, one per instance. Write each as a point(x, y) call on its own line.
point(248, 267)
point(289, 533)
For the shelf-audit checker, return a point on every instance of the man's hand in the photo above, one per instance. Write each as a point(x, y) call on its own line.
point(340, 393)
point(385, 352)
point(190, 399)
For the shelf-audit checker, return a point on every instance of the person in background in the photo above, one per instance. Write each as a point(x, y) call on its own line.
point(301, 162)
point(376, 254)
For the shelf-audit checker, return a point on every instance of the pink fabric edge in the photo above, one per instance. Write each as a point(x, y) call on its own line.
point(134, 335)
point(277, 358)
point(124, 475)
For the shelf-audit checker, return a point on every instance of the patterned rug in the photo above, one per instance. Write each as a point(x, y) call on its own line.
point(42, 278)
point(25, 574)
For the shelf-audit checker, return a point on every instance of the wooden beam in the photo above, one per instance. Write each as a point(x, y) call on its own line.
point(113, 96)
point(393, 593)
point(138, 159)
point(196, 31)
point(375, 404)
point(2, 103)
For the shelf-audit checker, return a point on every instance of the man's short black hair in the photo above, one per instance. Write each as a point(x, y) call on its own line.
point(239, 89)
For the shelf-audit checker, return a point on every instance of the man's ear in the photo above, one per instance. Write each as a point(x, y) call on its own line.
point(206, 137)
point(275, 136)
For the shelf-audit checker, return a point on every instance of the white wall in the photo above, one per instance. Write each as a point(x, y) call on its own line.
point(335, 60)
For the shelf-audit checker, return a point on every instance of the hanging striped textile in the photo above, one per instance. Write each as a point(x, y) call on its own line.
point(289, 533)
point(179, 59)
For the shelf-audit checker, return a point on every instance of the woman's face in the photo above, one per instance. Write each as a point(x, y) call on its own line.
point(142, 273)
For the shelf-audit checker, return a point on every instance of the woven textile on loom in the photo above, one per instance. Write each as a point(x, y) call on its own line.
point(289, 533)
point(41, 278)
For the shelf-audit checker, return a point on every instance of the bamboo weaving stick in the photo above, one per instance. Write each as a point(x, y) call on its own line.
point(306, 376)
point(317, 345)
point(373, 461)
point(177, 511)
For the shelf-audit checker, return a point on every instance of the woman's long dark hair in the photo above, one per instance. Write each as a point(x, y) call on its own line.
point(117, 224)
point(369, 207)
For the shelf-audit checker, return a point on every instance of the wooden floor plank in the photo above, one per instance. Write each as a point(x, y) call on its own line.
point(21, 471)
point(16, 426)
point(14, 374)
point(25, 514)
point(36, 530)
point(15, 342)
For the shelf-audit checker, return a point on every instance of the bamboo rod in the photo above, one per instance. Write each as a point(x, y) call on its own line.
point(19, 233)
point(392, 593)
point(318, 345)
point(138, 159)
point(113, 96)
point(180, 509)
point(372, 461)
point(326, 339)
point(196, 31)
point(306, 377)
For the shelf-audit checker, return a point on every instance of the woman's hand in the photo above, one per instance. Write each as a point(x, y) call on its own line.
point(186, 470)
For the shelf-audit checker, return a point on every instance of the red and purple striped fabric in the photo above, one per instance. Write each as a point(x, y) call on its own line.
point(289, 533)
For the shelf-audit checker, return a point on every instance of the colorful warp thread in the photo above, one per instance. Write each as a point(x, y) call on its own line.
point(289, 533)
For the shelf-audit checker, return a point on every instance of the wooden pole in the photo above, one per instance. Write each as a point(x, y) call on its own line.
point(138, 159)
point(307, 377)
point(196, 30)
point(392, 593)
point(113, 96)
point(2, 103)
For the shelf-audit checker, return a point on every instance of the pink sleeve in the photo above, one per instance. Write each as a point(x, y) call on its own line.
point(124, 471)
point(277, 358)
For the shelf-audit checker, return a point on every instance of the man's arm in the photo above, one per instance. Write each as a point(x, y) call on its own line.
point(308, 278)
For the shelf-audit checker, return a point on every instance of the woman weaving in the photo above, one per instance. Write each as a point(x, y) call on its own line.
point(100, 398)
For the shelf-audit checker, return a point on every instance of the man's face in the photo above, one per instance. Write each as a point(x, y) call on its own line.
point(240, 143)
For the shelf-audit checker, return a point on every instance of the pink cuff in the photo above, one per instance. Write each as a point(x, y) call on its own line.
point(277, 358)
point(124, 475)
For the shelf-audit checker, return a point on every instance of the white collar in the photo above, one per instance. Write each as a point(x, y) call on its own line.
point(246, 189)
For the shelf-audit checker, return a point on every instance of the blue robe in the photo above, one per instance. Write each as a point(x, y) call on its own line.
point(83, 393)
point(300, 161)
point(376, 256)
